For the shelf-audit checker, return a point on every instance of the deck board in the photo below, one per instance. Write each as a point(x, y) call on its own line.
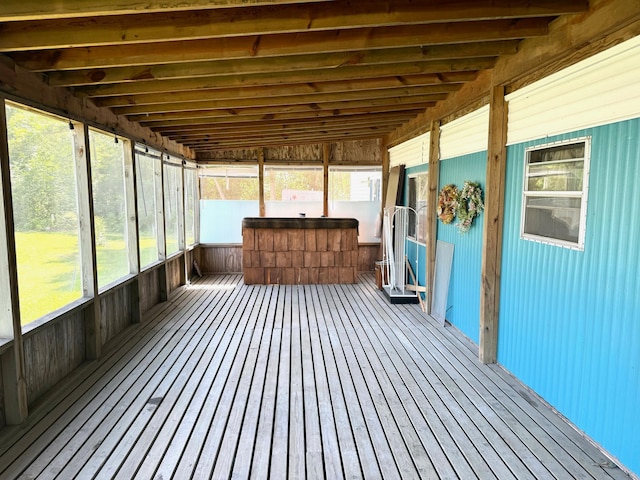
point(312, 381)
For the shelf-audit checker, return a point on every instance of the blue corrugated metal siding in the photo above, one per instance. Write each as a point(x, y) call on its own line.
point(570, 320)
point(463, 302)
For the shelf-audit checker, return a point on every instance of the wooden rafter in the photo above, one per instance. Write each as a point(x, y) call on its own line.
point(220, 23)
point(214, 74)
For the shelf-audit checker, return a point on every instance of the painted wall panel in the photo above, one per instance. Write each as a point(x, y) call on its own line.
point(570, 320)
point(467, 134)
point(464, 287)
point(599, 90)
point(412, 152)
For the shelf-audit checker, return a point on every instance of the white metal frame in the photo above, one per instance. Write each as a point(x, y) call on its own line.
point(569, 194)
point(394, 248)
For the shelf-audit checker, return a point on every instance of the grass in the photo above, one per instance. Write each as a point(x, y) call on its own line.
point(49, 271)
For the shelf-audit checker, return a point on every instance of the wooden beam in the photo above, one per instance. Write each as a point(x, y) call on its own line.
point(19, 10)
point(12, 365)
point(302, 68)
point(387, 96)
point(261, 181)
point(331, 108)
point(279, 45)
point(195, 142)
point(141, 28)
point(88, 262)
point(237, 93)
point(493, 224)
point(281, 125)
point(285, 142)
point(260, 80)
point(432, 202)
point(326, 153)
point(131, 206)
point(215, 117)
point(310, 137)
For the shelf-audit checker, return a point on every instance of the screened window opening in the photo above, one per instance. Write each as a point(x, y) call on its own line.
point(190, 195)
point(355, 192)
point(109, 207)
point(227, 195)
point(45, 207)
point(149, 183)
point(292, 191)
point(172, 196)
point(555, 193)
point(418, 189)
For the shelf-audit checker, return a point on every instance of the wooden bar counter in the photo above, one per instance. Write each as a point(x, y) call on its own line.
point(293, 251)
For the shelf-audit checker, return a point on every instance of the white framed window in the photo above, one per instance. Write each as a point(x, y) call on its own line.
point(44, 189)
point(172, 205)
point(150, 226)
point(356, 192)
point(228, 193)
point(291, 191)
point(190, 204)
point(109, 206)
point(554, 204)
point(417, 191)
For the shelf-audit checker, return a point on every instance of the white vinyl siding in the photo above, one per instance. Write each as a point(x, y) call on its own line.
point(465, 135)
point(411, 153)
point(597, 91)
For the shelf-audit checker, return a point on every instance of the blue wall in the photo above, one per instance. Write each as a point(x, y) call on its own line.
point(463, 303)
point(570, 320)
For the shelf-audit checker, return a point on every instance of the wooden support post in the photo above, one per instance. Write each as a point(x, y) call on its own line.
point(326, 152)
point(261, 181)
point(12, 365)
point(384, 155)
point(163, 278)
point(432, 202)
point(131, 206)
point(182, 233)
point(492, 236)
point(93, 324)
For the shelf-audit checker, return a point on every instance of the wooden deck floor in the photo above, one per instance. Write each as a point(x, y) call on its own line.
point(227, 380)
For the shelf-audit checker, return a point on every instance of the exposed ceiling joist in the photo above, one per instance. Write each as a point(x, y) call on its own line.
point(266, 20)
point(248, 73)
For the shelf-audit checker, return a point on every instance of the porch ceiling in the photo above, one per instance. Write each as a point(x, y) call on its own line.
point(241, 73)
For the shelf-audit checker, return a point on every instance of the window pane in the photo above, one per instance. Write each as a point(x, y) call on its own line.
point(291, 191)
point(417, 199)
point(110, 216)
point(190, 176)
point(553, 217)
point(356, 193)
point(172, 192)
point(147, 179)
point(557, 153)
point(43, 186)
point(556, 176)
point(228, 194)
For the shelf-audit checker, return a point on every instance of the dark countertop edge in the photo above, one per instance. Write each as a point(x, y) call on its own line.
point(302, 222)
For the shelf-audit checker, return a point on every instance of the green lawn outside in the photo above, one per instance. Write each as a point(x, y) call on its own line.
point(49, 272)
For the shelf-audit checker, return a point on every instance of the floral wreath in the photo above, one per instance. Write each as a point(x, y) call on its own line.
point(447, 203)
point(469, 205)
